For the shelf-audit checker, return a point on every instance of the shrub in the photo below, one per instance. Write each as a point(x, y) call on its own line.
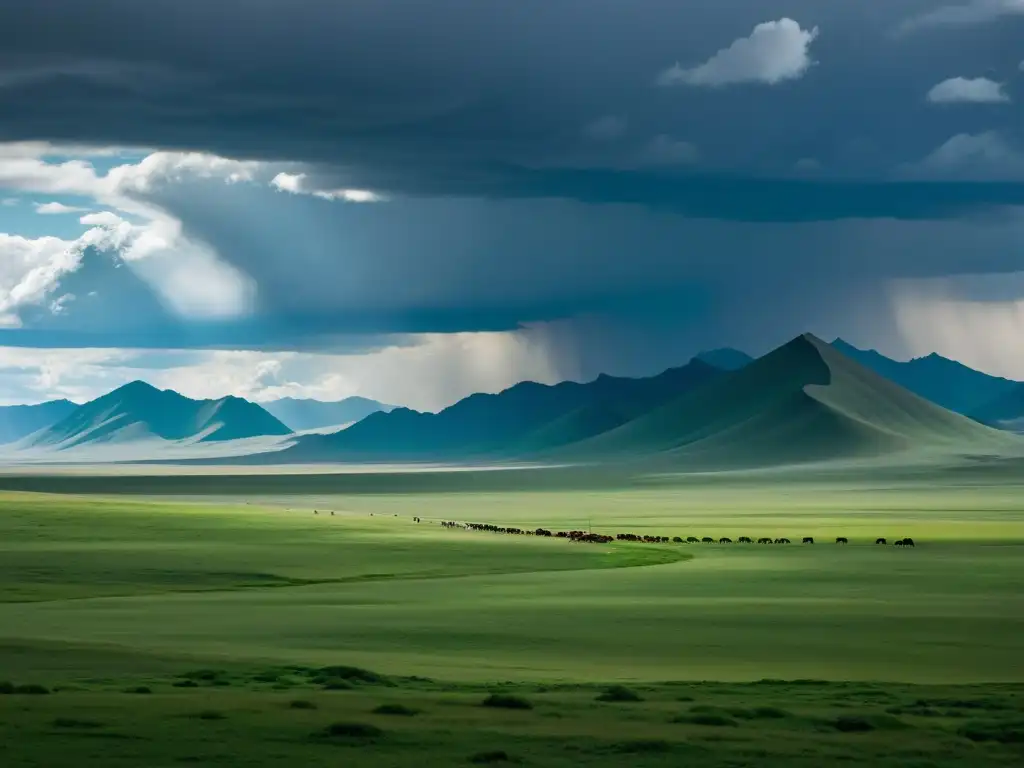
point(492, 756)
point(31, 689)
point(354, 674)
point(205, 675)
point(395, 709)
point(71, 722)
point(210, 714)
point(6, 686)
point(709, 719)
point(770, 713)
point(301, 704)
point(619, 693)
point(864, 723)
point(643, 745)
point(337, 684)
point(139, 689)
point(1000, 732)
point(506, 701)
point(185, 684)
point(353, 731)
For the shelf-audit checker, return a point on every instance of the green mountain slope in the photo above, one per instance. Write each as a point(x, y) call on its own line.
point(300, 414)
point(20, 421)
point(526, 417)
point(138, 411)
point(946, 382)
point(802, 402)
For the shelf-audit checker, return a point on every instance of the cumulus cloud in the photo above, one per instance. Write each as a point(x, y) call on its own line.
point(965, 14)
point(984, 156)
point(185, 273)
point(54, 208)
point(774, 52)
point(607, 128)
point(962, 90)
point(30, 269)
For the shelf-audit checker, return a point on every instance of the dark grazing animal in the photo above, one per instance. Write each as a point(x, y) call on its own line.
point(880, 541)
point(725, 540)
point(808, 539)
point(842, 540)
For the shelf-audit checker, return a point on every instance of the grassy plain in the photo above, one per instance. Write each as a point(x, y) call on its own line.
point(105, 587)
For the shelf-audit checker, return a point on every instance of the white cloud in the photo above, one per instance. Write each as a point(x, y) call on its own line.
point(9, 202)
point(187, 275)
point(30, 269)
point(664, 150)
point(426, 372)
point(607, 128)
point(982, 157)
point(774, 52)
point(299, 184)
point(965, 14)
point(55, 208)
point(962, 90)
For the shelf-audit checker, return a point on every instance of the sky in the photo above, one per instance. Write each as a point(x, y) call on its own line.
point(413, 201)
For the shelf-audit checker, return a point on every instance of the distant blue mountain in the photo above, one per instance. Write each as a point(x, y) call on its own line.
point(140, 411)
point(526, 417)
point(946, 382)
point(19, 421)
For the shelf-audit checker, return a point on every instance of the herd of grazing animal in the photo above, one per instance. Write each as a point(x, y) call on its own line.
point(598, 538)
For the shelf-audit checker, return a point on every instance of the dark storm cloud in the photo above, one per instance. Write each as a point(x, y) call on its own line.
point(478, 97)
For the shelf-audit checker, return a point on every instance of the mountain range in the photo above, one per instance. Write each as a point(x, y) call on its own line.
point(802, 402)
point(524, 417)
point(806, 399)
point(139, 411)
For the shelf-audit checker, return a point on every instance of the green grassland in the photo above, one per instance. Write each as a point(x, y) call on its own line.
point(113, 588)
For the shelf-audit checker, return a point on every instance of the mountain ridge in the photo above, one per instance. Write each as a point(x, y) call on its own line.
point(138, 410)
point(946, 382)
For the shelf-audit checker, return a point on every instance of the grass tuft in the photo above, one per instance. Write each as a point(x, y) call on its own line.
point(506, 701)
point(71, 722)
point(1011, 732)
point(396, 709)
point(619, 693)
point(642, 746)
point(492, 756)
point(353, 674)
point(865, 723)
point(347, 730)
point(30, 689)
